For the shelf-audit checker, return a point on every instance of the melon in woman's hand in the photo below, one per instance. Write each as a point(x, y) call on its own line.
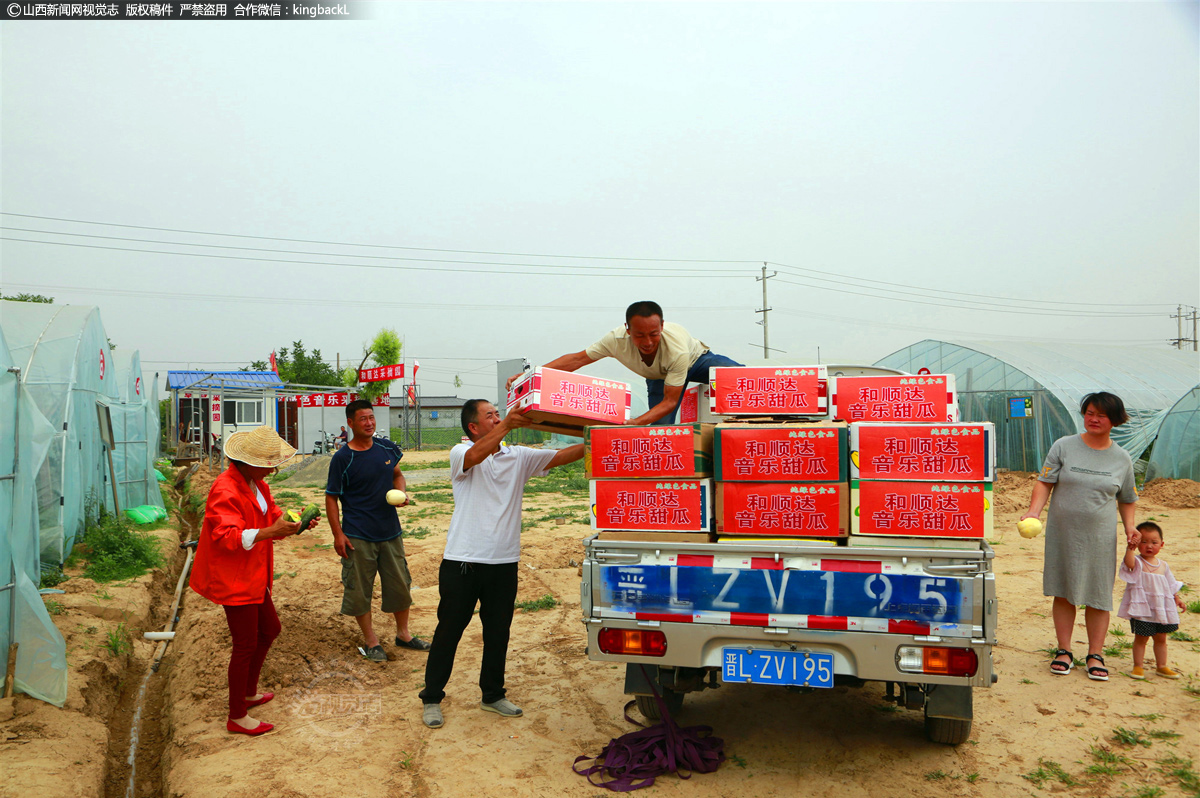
point(1029, 527)
point(396, 497)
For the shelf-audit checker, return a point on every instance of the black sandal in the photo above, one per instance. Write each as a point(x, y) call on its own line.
point(1098, 673)
point(1066, 666)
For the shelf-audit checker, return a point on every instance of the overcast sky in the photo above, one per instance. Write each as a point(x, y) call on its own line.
point(884, 154)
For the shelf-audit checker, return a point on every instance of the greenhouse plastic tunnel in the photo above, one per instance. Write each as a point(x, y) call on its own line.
point(1176, 453)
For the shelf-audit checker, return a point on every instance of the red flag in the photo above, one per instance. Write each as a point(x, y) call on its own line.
point(274, 367)
point(412, 394)
point(416, 365)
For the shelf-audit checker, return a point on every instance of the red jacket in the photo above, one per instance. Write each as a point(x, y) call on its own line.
point(223, 571)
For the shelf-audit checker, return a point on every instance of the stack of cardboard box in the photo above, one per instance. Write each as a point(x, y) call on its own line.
point(651, 482)
point(782, 467)
point(915, 471)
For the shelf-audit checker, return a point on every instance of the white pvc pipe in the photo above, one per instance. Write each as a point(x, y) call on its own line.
point(159, 635)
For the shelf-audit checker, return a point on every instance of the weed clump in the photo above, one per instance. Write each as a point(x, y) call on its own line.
point(115, 550)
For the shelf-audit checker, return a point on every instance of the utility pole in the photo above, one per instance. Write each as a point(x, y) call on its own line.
point(765, 308)
point(1194, 337)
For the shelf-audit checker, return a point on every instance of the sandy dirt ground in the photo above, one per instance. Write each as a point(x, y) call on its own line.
point(346, 725)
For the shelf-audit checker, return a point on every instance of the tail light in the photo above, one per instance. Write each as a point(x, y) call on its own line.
point(937, 660)
point(635, 642)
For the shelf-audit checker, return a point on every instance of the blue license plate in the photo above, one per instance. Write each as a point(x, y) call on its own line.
point(777, 667)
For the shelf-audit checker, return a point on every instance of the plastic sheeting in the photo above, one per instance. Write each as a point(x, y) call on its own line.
point(67, 367)
point(1176, 453)
point(135, 430)
point(25, 438)
point(1055, 378)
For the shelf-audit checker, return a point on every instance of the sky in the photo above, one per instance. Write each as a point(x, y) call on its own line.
point(499, 180)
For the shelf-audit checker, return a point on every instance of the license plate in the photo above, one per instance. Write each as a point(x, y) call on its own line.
point(777, 667)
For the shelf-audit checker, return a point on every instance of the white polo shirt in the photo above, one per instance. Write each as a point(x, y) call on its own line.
point(486, 524)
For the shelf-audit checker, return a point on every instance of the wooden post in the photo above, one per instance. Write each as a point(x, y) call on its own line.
point(11, 671)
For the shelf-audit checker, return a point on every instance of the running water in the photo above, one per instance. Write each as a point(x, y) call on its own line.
point(135, 728)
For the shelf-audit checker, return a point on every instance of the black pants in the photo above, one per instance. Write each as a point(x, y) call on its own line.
point(461, 585)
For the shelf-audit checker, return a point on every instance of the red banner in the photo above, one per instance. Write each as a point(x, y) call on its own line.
point(336, 400)
point(381, 373)
point(781, 509)
point(745, 391)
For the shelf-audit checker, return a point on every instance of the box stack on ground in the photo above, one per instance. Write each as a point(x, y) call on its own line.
point(915, 470)
point(651, 483)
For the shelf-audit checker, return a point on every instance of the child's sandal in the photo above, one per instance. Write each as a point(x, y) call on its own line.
point(1063, 667)
point(1097, 673)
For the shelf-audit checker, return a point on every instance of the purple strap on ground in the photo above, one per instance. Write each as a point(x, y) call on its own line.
point(634, 760)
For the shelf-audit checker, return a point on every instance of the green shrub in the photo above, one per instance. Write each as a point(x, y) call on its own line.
point(115, 550)
point(52, 578)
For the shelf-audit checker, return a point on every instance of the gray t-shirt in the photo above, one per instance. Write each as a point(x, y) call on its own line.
point(1081, 526)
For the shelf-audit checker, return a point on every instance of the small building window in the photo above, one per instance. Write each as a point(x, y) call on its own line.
point(243, 411)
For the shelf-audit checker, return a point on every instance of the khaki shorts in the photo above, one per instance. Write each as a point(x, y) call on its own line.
point(358, 576)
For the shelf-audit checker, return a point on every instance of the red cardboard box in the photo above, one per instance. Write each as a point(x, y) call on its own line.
point(645, 505)
point(929, 398)
point(812, 452)
point(768, 391)
point(675, 451)
point(923, 452)
point(566, 402)
point(781, 509)
point(921, 509)
point(695, 406)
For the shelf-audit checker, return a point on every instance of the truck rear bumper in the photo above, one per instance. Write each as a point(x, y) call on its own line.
point(869, 656)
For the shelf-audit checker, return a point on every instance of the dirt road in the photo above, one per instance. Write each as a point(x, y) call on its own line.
point(348, 726)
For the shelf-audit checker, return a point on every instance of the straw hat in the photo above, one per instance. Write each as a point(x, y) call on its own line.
point(260, 447)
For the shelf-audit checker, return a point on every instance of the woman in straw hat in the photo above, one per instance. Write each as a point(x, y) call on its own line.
point(235, 563)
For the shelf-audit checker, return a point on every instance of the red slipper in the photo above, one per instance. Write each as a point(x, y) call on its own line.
point(266, 697)
point(261, 728)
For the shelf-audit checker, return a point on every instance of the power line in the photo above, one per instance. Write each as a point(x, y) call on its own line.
point(606, 269)
point(373, 246)
point(842, 278)
point(980, 307)
point(363, 265)
point(267, 300)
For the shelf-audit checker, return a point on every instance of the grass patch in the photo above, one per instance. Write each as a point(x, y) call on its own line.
point(1193, 606)
point(1162, 734)
point(1181, 770)
point(1130, 737)
point(1147, 791)
point(1049, 771)
point(117, 641)
point(418, 532)
point(55, 607)
point(1028, 681)
point(1150, 716)
point(1181, 636)
point(52, 578)
point(1116, 632)
point(115, 550)
point(1118, 648)
point(546, 602)
point(1107, 762)
point(568, 480)
point(441, 496)
point(426, 466)
point(935, 775)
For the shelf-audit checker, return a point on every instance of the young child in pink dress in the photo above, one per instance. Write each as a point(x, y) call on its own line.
point(1148, 600)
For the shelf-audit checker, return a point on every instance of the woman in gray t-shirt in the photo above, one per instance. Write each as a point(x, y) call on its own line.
point(1092, 481)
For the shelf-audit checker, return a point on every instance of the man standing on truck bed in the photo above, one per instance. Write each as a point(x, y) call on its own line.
point(483, 547)
point(663, 352)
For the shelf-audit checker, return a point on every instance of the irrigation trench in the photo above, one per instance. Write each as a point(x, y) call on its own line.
point(136, 735)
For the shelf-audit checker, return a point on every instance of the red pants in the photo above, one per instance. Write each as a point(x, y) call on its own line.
point(253, 628)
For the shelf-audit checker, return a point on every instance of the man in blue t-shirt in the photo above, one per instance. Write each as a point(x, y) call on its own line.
point(367, 534)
